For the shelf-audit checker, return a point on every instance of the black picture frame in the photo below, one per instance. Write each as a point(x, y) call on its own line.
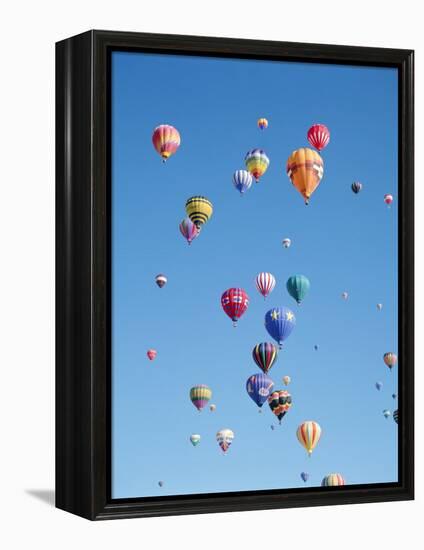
point(83, 382)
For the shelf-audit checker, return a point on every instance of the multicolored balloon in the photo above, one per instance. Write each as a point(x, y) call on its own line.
point(257, 163)
point(161, 280)
point(225, 438)
point(199, 209)
point(242, 180)
point(265, 283)
point(386, 413)
point(280, 322)
point(235, 302)
point(280, 402)
point(388, 199)
point(286, 380)
point(333, 480)
point(151, 354)
point(379, 385)
point(356, 187)
point(262, 123)
point(305, 169)
point(265, 354)
point(200, 396)
point(308, 434)
point(396, 416)
point(286, 243)
point(319, 136)
point(390, 359)
point(195, 439)
point(189, 230)
point(298, 287)
point(259, 386)
point(304, 476)
point(166, 140)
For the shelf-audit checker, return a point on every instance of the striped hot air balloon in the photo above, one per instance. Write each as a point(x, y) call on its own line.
point(199, 209)
point(333, 480)
point(225, 438)
point(188, 230)
point(319, 136)
point(396, 416)
point(242, 180)
point(257, 163)
point(390, 359)
point(265, 354)
point(262, 123)
point(356, 187)
point(234, 302)
point(305, 169)
point(166, 140)
point(161, 280)
point(200, 395)
point(265, 283)
point(280, 402)
point(308, 434)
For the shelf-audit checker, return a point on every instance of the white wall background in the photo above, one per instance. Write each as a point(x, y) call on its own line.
point(29, 30)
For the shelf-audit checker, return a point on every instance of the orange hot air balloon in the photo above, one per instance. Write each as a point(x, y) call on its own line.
point(305, 169)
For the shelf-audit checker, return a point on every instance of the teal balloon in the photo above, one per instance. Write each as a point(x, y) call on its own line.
point(298, 287)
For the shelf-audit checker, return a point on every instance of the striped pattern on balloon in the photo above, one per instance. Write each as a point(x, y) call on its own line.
point(265, 283)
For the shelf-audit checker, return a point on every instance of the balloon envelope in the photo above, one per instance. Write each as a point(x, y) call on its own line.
point(304, 476)
point(298, 287)
point(262, 123)
point(200, 395)
point(356, 187)
point(242, 180)
point(279, 322)
point(195, 439)
point(378, 385)
point(235, 302)
point(305, 169)
point(280, 402)
point(265, 283)
point(390, 359)
point(257, 162)
point(333, 480)
point(308, 434)
point(188, 230)
point(151, 354)
point(225, 438)
point(166, 140)
point(259, 386)
point(265, 354)
point(286, 243)
point(199, 209)
point(319, 136)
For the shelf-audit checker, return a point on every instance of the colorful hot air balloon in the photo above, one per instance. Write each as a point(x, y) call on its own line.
point(298, 287)
point(386, 413)
point(225, 438)
point(151, 354)
point(161, 280)
point(262, 123)
point(388, 199)
point(279, 322)
point(308, 434)
point(356, 187)
point(333, 480)
point(280, 402)
point(345, 295)
point(212, 408)
point(379, 385)
point(166, 140)
point(265, 283)
point(390, 359)
point(379, 307)
point(304, 476)
point(234, 302)
point(195, 439)
point(188, 230)
point(319, 136)
point(396, 416)
point(286, 243)
point(259, 386)
point(200, 396)
point(286, 380)
point(305, 169)
point(265, 355)
point(257, 163)
point(242, 180)
point(199, 209)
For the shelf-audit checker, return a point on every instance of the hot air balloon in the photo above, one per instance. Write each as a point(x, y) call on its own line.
point(265, 283)
point(262, 123)
point(280, 402)
point(379, 385)
point(298, 287)
point(388, 199)
point(279, 322)
point(242, 180)
point(257, 163)
point(160, 483)
point(286, 243)
point(272, 427)
point(390, 359)
point(286, 380)
point(234, 302)
point(394, 396)
point(333, 480)
point(259, 386)
point(345, 295)
point(151, 354)
point(166, 140)
point(319, 136)
point(386, 413)
point(396, 416)
point(379, 307)
point(225, 438)
point(308, 434)
point(356, 187)
point(265, 355)
point(305, 168)
point(188, 230)
point(304, 476)
point(195, 439)
point(161, 280)
point(316, 347)
point(199, 210)
point(212, 408)
point(200, 396)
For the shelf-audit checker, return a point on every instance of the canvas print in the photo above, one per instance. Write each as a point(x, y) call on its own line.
point(254, 260)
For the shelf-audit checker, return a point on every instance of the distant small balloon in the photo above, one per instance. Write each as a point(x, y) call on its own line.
point(394, 395)
point(386, 413)
point(316, 347)
point(195, 439)
point(396, 415)
point(286, 380)
point(262, 123)
point(272, 427)
point(388, 199)
point(345, 295)
point(390, 359)
point(356, 187)
point(160, 483)
point(304, 476)
point(212, 408)
point(189, 230)
point(379, 307)
point(161, 280)
point(151, 354)
point(333, 480)
point(286, 243)
point(378, 385)
point(225, 438)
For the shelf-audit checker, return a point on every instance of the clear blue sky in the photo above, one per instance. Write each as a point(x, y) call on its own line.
point(341, 242)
